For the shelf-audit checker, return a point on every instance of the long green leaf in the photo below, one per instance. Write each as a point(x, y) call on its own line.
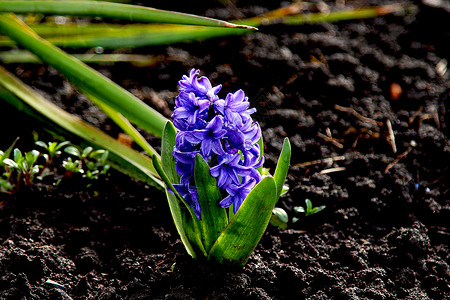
point(261, 152)
point(84, 77)
point(167, 159)
point(109, 10)
point(76, 126)
point(168, 164)
point(244, 231)
point(187, 220)
point(184, 217)
point(131, 39)
point(214, 218)
point(138, 35)
point(282, 166)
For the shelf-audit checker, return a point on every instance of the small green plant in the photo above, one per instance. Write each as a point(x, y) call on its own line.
point(72, 166)
point(91, 163)
point(309, 210)
point(24, 165)
point(52, 148)
point(23, 168)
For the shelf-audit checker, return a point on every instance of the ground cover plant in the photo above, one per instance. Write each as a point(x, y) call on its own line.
point(364, 105)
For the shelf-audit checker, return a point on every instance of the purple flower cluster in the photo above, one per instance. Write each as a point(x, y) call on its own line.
point(223, 132)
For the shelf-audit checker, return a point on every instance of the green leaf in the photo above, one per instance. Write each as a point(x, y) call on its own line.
point(244, 231)
point(84, 77)
point(279, 218)
point(73, 151)
point(214, 218)
point(42, 144)
point(167, 159)
point(110, 10)
point(261, 151)
point(282, 166)
point(9, 162)
point(17, 154)
point(185, 220)
point(6, 154)
point(168, 166)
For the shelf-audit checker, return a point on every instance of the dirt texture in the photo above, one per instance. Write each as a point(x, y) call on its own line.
point(343, 91)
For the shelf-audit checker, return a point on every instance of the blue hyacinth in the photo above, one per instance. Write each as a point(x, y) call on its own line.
point(223, 132)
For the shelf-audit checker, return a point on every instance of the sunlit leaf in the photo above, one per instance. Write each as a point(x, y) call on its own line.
point(214, 217)
point(109, 10)
point(244, 231)
point(282, 166)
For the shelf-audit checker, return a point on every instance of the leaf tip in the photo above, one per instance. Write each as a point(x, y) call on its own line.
point(241, 26)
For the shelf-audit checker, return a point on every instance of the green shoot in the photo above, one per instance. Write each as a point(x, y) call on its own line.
point(309, 210)
point(52, 148)
point(279, 218)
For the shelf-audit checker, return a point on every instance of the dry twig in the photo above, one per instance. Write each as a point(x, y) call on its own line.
point(332, 170)
point(399, 157)
point(328, 160)
point(391, 136)
point(330, 139)
point(358, 115)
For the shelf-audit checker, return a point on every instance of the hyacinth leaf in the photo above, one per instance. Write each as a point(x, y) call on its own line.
point(243, 233)
point(214, 218)
point(167, 159)
point(261, 152)
point(169, 185)
point(168, 165)
point(128, 12)
point(184, 218)
point(84, 77)
point(282, 166)
point(179, 221)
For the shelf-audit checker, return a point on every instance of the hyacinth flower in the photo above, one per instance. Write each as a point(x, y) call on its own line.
point(211, 163)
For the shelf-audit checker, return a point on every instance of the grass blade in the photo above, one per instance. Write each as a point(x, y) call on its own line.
point(245, 230)
point(74, 125)
point(84, 77)
point(110, 10)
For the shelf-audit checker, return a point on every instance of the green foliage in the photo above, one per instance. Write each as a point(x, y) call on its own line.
point(91, 163)
point(22, 169)
point(52, 148)
point(309, 210)
point(279, 218)
point(219, 236)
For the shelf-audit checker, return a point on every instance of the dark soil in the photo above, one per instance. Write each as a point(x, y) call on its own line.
point(385, 231)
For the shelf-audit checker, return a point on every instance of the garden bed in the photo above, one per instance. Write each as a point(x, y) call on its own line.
point(364, 104)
